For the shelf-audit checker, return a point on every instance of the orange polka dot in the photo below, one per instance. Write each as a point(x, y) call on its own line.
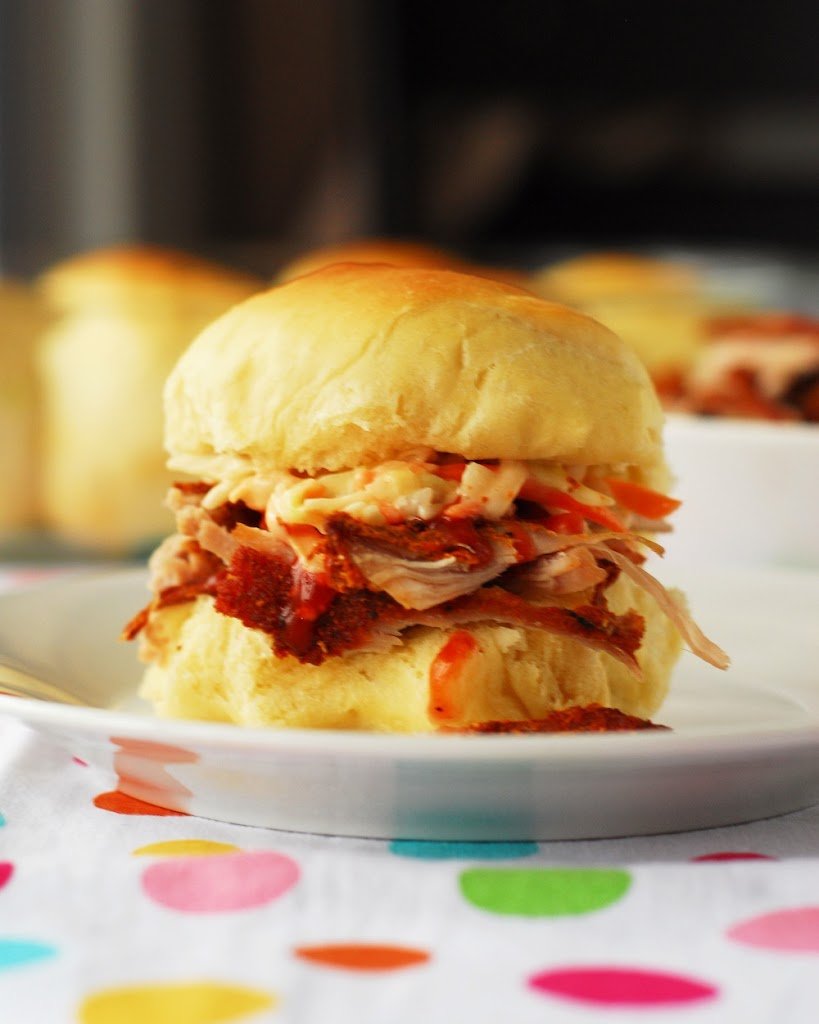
point(121, 803)
point(356, 956)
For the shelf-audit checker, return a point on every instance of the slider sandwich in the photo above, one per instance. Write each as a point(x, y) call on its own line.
point(413, 499)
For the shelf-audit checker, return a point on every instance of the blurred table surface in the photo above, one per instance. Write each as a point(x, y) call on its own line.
point(113, 911)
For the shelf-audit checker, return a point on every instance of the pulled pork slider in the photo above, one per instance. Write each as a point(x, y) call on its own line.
point(417, 500)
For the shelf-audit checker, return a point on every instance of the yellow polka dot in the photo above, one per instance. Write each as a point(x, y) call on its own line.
point(194, 1003)
point(184, 848)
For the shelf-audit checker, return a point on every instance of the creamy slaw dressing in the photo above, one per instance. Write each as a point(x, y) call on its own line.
point(393, 491)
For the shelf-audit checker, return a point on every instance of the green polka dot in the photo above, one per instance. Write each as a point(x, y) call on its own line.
point(543, 892)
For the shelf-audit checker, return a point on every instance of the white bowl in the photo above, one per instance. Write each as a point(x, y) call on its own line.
point(750, 492)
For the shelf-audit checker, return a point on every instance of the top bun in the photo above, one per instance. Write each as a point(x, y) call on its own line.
point(395, 252)
point(356, 364)
point(145, 278)
point(596, 276)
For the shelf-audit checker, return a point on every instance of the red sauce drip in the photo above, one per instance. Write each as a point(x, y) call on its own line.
point(310, 597)
point(445, 672)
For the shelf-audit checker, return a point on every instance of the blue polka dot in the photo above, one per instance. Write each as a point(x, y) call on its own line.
point(461, 851)
point(2, 820)
point(15, 952)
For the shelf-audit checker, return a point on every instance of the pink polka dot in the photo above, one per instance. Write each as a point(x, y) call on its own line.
point(619, 986)
point(795, 930)
point(79, 761)
point(6, 871)
point(731, 855)
point(231, 881)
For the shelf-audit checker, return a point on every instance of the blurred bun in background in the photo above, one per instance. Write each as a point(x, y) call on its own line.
point(659, 307)
point(598, 276)
point(22, 319)
point(122, 317)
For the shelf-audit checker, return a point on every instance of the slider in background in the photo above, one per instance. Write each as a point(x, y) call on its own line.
point(659, 307)
point(123, 316)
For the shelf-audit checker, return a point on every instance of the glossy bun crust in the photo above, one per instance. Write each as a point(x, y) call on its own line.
point(395, 252)
point(212, 667)
point(355, 364)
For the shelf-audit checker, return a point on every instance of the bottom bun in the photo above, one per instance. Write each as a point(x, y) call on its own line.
point(212, 667)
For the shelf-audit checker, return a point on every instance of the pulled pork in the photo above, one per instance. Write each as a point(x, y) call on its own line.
point(355, 586)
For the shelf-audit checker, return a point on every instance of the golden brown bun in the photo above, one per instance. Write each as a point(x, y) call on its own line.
point(127, 314)
point(215, 668)
point(597, 276)
point(22, 320)
point(395, 252)
point(356, 364)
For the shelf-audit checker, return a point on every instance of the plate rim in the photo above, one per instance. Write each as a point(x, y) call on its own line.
point(598, 748)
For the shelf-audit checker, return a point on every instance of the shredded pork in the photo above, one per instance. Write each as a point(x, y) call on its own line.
point(354, 586)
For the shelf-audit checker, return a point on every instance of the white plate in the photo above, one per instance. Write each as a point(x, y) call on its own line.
point(744, 745)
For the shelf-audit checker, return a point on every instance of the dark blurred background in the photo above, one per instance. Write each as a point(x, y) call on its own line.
point(257, 128)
